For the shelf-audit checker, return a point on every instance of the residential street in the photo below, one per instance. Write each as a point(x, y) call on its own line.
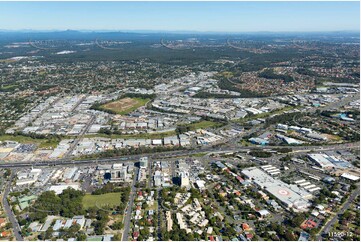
point(128, 214)
point(326, 229)
point(9, 212)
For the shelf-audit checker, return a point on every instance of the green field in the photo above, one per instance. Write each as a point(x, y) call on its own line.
point(204, 124)
point(42, 143)
point(125, 105)
point(8, 88)
point(103, 200)
point(199, 154)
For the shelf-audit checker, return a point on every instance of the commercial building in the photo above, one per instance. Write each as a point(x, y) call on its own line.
point(350, 177)
point(288, 140)
point(58, 189)
point(28, 177)
point(290, 196)
point(185, 181)
point(316, 136)
point(259, 141)
point(321, 160)
point(168, 215)
point(143, 162)
point(326, 161)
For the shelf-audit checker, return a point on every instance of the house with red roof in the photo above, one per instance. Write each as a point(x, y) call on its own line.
point(2, 222)
point(237, 193)
point(135, 234)
point(5, 234)
point(309, 224)
point(240, 179)
point(245, 227)
point(249, 236)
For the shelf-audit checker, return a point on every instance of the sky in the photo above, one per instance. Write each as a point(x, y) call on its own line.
point(181, 16)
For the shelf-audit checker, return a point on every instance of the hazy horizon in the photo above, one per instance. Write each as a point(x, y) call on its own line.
point(140, 31)
point(224, 17)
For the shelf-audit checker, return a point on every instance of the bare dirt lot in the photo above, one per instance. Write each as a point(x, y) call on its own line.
point(125, 105)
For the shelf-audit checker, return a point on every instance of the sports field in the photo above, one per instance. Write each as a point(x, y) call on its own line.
point(125, 105)
point(103, 200)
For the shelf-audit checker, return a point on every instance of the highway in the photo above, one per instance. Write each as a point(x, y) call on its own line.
point(177, 153)
point(128, 214)
point(230, 145)
point(8, 210)
point(326, 228)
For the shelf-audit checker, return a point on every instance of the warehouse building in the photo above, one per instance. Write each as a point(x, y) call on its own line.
point(321, 160)
point(329, 161)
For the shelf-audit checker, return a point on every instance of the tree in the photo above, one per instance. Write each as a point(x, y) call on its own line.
point(49, 233)
point(297, 220)
point(102, 219)
point(41, 236)
point(7, 173)
point(73, 230)
point(117, 225)
point(290, 236)
point(182, 129)
point(99, 227)
point(117, 237)
point(175, 236)
point(92, 212)
point(145, 232)
point(67, 204)
point(81, 236)
point(71, 202)
point(346, 215)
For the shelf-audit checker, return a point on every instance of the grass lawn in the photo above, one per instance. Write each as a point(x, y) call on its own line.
point(49, 144)
point(42, 143)
point(199, 154)
point(153, 207)
point(20, 138)
point(117, 217)
point(8, 88)
point(245, 143)
point(204, 124)
point(125, 105)
point(333, 137)
point(227, 74)
point(107, 199)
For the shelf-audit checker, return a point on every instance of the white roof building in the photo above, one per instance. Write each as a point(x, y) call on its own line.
point(290, 195)
point(200, 184)
point(156, 142)
point(263, 212)
point(350, 177)
point(321, 160)
point(58, 189)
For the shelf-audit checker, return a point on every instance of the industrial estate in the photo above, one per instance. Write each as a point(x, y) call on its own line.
point(181, 137)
